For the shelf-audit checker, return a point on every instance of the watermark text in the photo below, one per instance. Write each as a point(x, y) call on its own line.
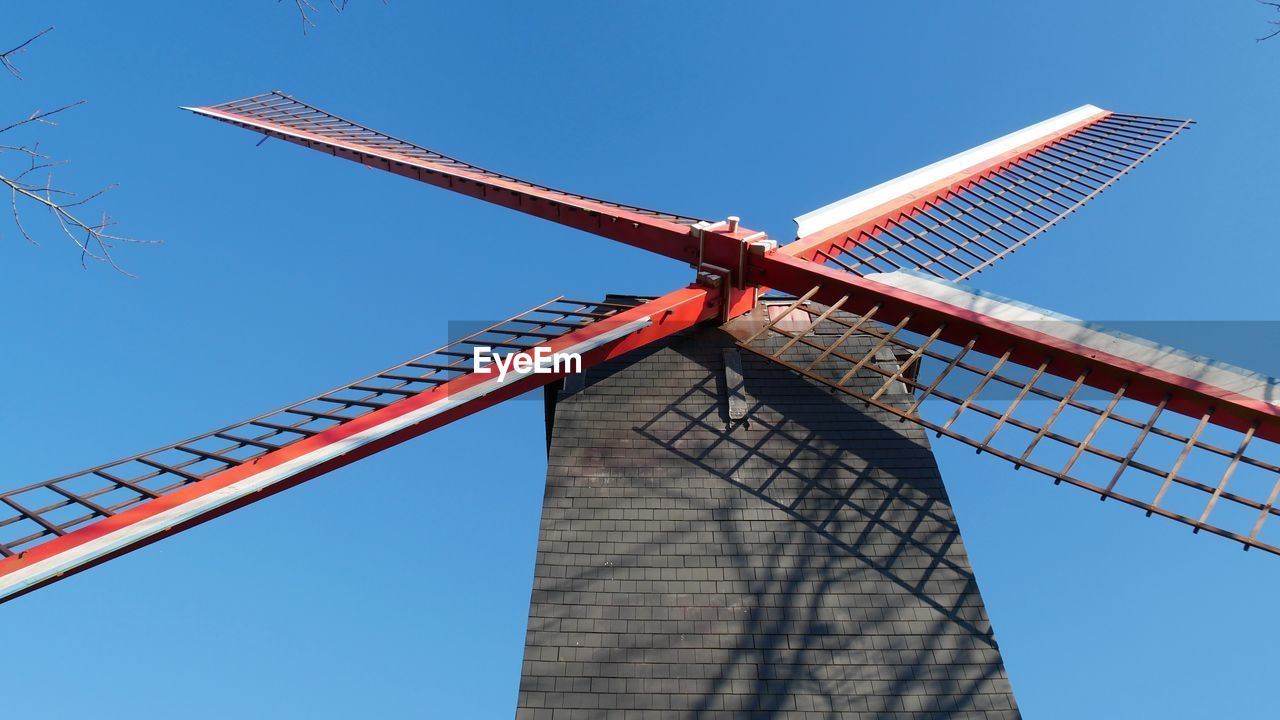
point(539, 360)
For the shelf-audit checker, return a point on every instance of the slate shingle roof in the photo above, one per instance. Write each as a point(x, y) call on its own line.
point(801, 563)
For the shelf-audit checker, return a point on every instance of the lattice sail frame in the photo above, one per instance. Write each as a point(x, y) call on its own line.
point(958, 216)
point(1122, 442)
point(951, 219)
point(61, 526)
point(275, 109)
point(56, 507)
point(280, 116)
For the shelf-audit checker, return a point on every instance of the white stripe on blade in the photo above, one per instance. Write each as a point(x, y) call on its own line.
point(39, 571)
point(1112, 342)
point(854, 205)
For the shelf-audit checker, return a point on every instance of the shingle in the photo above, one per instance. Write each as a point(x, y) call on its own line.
point(802, 562)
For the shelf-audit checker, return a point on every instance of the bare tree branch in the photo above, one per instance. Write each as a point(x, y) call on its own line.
point(66, 208)
point(1276, 23)
point(92, 237)
point(6, 57)
point(40, 116)
point(305, 9)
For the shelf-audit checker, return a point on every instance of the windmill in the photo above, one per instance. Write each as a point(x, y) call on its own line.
point(863, 317)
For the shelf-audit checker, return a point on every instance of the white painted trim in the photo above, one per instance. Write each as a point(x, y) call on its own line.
point(854, 205)
point(1094, 337)
point(39, 571)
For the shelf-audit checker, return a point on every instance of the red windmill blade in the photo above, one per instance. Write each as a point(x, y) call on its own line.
point(954, 346)
point(277, 115)
point(56, 528)
point(958, 216)
point(1011, 189)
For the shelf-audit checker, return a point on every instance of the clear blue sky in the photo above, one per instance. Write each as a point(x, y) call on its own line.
point(398, 587)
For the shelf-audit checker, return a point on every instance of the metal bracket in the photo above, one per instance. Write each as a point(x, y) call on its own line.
point(755, 243)
point(728, 279)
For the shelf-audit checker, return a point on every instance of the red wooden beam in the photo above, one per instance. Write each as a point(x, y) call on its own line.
point(342, 444)
point(674, 236)
point(914, 191)
point(279, 116)
point(1238, 398)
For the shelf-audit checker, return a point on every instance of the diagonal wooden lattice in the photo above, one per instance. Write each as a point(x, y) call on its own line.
point(960, 231)
point(35, 513)
point(1189, 469)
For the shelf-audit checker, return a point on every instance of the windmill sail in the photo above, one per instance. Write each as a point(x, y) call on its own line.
point(958, 216)
point(1133, 421)
point(1216, 470)
point(60, 526)
point(278, 115)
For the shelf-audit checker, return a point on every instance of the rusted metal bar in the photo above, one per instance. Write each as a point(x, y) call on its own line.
point(1093, 431)
point(843, 337)
point(825, 314)
point(914, 357)
point(1133, 449)
point(1226, 476)
point(1182, 457)
point(1017, 400)
point(769, 325)
point(986, 378)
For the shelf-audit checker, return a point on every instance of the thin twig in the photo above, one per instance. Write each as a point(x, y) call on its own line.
point(92, 237)
point(1275, 32)
point(40, 116)
point(305, 8)
point(6, 57)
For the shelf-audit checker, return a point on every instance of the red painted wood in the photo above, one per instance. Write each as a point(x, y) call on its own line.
point(829, 238)
point(669, 314)
point(1107, 372)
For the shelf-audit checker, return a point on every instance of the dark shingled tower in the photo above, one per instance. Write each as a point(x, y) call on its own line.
point(723, 538)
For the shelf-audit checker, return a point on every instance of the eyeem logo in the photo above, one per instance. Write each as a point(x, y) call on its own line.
point(542, 360)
